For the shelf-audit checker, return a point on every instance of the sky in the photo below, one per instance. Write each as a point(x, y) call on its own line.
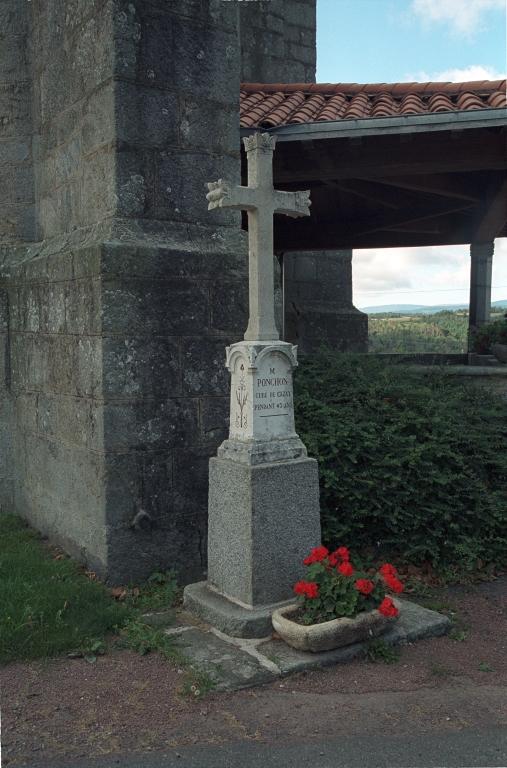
point(376, 41)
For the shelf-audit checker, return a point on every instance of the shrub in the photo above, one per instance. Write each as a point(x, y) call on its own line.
point(411, 463)
point(492, 333)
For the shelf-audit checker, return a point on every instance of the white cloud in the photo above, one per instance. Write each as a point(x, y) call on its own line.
point(463, 16)
point(432, 275)
point(474, 72)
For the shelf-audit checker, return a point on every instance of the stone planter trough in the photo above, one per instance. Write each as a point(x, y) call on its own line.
point(331, 634)
point(500, 352)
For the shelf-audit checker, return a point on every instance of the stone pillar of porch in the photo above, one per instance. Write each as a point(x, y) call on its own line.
point(481, 256)
point(318, 302)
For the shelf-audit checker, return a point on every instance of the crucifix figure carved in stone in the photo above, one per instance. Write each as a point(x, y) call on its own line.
point(261, 200)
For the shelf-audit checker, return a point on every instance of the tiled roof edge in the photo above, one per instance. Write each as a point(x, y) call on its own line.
point(396, 88)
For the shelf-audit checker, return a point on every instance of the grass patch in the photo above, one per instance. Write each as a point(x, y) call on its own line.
point(442, 672)
point(379, 650)
point(47, 607)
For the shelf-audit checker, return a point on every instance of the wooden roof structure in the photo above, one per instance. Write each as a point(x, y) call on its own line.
point(399, 165)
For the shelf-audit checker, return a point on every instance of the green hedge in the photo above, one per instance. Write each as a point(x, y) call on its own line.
point(408, 462)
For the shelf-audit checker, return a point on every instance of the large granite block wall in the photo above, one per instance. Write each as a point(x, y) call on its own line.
point(318, 302)
point(17, 197)
point(120, 312)
point(278, 41)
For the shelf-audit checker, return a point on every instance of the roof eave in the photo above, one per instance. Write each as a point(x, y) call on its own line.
point(395, 124)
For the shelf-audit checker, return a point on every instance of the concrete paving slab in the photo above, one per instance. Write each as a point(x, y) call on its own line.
point(226, 663)
point(236, 663)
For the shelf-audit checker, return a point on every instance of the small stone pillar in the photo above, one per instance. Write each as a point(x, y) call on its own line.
point(481, 255)
point(263, 498)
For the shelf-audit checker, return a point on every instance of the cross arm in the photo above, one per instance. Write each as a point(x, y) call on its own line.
point(292, 204)
point(225, 194)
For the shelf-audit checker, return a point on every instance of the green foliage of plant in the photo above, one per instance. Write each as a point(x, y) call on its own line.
point(379, 650)
point(46, 607)
point(409, 463)
point(488, 334)
point(444, 332)
point(442, 672)
point(138, 636)
point(485, 667)
point(198, 684)
point(458, 635)
point(338, 595)
point(161, 592)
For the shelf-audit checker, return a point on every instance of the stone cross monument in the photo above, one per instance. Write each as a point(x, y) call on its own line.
point(263, 488)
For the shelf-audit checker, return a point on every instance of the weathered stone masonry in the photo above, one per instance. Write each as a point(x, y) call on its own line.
point(121, 291)
point(120, 312)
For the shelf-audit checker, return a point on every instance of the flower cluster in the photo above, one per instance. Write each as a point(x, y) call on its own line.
point(389, 574)
point(387, 607)
point(334, 588)
point(308, 589)
point(493, 333)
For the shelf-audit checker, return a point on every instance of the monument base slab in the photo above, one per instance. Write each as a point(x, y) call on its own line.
point(227, 616)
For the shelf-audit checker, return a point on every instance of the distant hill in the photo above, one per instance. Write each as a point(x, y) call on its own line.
point(421, 309)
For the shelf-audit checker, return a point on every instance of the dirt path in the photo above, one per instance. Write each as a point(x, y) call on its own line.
point(128, 703)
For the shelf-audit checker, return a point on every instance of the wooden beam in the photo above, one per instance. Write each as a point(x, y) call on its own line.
point(379, 159)
point(370, 191)
point(410, 215)
point(493, 216)
point(437, 184)
point(328, 237)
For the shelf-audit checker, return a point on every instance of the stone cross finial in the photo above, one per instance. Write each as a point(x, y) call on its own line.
point(261, 200)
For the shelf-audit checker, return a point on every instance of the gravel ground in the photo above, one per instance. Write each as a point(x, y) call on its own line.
point(125, 703)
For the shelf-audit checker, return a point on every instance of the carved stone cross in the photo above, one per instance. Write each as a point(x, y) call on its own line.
point(261, 200)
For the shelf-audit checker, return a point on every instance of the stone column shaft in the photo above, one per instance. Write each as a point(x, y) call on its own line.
point(481, 255)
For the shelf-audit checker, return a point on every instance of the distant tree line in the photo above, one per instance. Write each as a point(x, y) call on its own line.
point(443, 332)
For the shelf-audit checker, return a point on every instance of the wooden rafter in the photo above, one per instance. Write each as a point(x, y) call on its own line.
point(437, 184)
point(415, 213)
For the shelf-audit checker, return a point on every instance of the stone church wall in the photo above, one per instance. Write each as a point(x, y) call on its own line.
point(17, 209)
point(120, 311)
point(278, 41)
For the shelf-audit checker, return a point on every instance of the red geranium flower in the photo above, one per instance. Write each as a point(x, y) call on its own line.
point(388, 571)
point(395, 585)
point(387, 607)
point(309, 589)
point(300, 588)
point(333, 559)
point(343, 552)
point(317, 555)
point(346, 569)
point(364, 585)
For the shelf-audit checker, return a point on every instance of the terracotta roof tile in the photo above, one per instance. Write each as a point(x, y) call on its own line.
point(440, 102)
point(333, 109)
point(384, 106)
point(275, 104)
point(412, 104)
point(497, 99)
point(359, 106)
point(311, 108)
point(282, 114)
point(469, 100)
